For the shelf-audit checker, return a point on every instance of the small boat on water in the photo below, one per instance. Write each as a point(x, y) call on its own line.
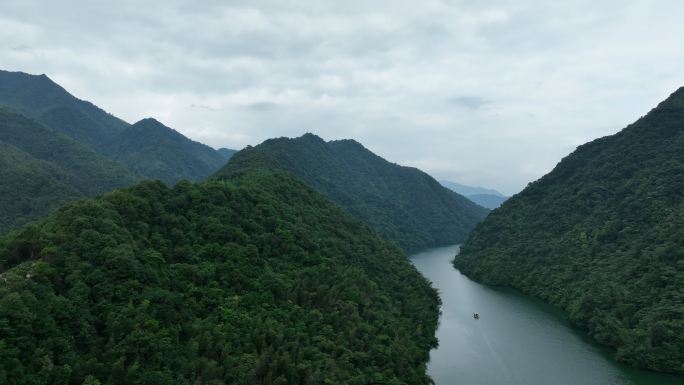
point(476, 315)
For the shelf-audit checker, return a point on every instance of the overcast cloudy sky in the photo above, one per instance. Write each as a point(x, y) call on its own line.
point(489, 93)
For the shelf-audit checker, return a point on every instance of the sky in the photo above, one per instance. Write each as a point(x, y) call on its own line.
point(490, 93)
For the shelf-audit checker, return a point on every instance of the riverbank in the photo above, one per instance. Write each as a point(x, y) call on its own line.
point(517, 340)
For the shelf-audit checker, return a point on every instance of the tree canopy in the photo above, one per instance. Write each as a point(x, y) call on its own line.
point(253, 280)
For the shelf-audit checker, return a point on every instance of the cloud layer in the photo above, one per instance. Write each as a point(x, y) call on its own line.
point(490, 93)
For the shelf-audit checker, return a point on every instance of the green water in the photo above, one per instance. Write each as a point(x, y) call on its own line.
point(518, 340)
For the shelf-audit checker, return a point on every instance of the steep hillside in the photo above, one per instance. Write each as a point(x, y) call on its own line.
point(401, 204)
point(41, 169)
point(254, 280)
point(602, 236)
point(159, 152)
point(146, 148)
point(39, 97)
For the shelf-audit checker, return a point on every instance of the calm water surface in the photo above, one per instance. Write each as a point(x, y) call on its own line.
point(518, 340)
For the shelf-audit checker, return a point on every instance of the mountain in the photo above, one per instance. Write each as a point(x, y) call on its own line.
point(469, 190)
point(253, 280)
point(602, 236)
point(151, 149)
point(402, 204)
point(484, 197)
point(226, 153)
point(39, 97)
point(41, 170)
point(147, 148)
point(487, 200)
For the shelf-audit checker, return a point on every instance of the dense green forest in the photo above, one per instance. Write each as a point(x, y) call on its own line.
point(402, 204)
point(602, 236)
point(146, 148)
point(159, 152)
point(253, 280)
point(40, 98)
point(41, 169)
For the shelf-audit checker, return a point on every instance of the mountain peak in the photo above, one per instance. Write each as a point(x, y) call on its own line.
point(38, 97)
point(311, 137)
point(152, 125)
point(19, 78)
point(402, 204)
point(348, 142)
point(148, 122)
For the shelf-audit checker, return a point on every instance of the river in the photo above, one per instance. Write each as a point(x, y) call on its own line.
point(518, 340)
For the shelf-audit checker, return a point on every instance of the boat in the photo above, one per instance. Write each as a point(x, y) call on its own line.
point(476, 315)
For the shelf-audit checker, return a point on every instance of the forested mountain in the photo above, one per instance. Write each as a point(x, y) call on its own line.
point(41, 169)
point(602, 236)
point(147, 148)
point(39, 97)
point(253, 280)
point(159, 152)
point(402, 204)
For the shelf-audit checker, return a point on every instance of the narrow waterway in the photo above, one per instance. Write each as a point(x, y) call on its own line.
point(517, 340)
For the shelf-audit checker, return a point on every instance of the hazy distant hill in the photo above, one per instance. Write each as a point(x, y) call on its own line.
point(402, 204)
point(41, 169)
point(487, 200)
point(484, 197)
point(254, 280)
point(151, 150)
point(602, 236)
point(469, 190)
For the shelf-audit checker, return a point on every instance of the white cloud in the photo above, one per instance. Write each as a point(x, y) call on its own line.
point(486, 93)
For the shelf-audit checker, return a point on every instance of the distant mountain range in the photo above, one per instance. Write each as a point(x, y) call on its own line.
point(484, 197)
point(402, 204)
point(57, 148)
point(602, 236)
point(148, 148)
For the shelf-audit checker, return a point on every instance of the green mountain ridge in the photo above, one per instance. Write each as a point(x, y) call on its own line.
point(257, 279)
point(138, 147)
point(154, 150)
point(602, 236)
point(41, 169)
point(402, 204)
point(38, 97)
